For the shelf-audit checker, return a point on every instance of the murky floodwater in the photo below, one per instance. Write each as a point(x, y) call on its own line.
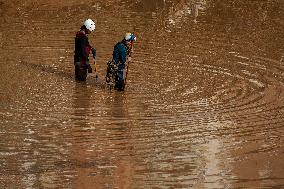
point(203, 107)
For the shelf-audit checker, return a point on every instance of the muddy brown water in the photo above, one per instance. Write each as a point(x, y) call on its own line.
point(203, 106)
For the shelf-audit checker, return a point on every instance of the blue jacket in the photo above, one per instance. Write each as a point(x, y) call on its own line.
point(120, 53)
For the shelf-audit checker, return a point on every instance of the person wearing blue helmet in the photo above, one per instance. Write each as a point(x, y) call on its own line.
point(121, 55)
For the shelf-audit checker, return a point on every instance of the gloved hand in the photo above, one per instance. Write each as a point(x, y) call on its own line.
point(94, 52)
point(129, 59)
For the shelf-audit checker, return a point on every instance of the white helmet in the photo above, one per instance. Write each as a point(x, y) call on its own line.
point(90, 24)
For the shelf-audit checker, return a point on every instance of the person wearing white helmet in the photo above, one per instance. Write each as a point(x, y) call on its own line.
point(121, 54)
point(82, 46)
point(90, 25)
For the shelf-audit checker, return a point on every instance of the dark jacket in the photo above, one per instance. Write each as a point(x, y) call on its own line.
point(120, 53)
point(82, 47)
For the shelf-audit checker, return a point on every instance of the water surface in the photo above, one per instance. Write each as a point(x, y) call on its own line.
point(203, 105)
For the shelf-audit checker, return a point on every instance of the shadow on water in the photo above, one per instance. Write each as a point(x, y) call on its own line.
point(63, 73)
point(49, 69)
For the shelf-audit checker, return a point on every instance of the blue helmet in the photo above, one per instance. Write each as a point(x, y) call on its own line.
point(130, 37)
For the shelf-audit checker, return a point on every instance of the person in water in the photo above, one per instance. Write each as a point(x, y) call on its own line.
point(121, 56)
point(82, 46)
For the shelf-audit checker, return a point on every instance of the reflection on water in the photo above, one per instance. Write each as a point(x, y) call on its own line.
point(203, 106)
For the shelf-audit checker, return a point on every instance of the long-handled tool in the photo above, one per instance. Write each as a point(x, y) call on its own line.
point(95, 63)
point(126, 73)
point(94, 52)
point(130, 52)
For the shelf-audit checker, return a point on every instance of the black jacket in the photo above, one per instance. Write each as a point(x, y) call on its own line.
point(82, 47)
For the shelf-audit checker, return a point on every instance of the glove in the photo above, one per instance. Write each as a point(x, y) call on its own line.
point(129, 59)
point(94, 52)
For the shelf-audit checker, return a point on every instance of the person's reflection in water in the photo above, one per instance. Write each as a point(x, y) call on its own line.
point(81, 103)
point(80, 136)
point(101, 152)
point(120, 132)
